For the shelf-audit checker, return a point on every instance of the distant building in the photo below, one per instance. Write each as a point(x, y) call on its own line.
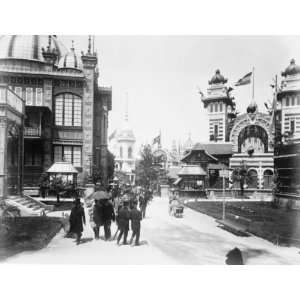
point(66, 112)
point(287, 134)
point(122, 145)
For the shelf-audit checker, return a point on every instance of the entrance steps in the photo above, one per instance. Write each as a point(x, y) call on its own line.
point(29, 205)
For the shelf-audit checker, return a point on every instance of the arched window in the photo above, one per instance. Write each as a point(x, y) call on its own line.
point(252, 179)
point(268, 179)
point(68, 110)
point(129, 152)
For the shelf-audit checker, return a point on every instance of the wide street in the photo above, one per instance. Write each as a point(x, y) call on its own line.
point(193, 239)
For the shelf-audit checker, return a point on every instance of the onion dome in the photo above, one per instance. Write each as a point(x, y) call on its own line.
point(252, 108)
point(218, 78)
point(292, 69)
point(70, 60)
point(29, 47)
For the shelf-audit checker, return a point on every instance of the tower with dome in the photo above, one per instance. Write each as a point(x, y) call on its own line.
point(122, 145)
point(66, 111)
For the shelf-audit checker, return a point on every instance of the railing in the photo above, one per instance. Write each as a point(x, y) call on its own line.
point(32, 132)
point(8, 97)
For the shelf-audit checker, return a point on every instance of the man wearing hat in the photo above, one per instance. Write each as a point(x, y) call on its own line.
point(123, 220)
point(108, 216)
point(77, 219)
point(135, 217)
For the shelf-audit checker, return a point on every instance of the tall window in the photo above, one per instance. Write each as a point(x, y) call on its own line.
point(221, 107)
point(129, 152)
point(29, 96)
point(292, 125)
point(70, 154)
point(216, 130)
point(216, 107)
point(18, 91)
point(39, 96)
point(68, 110)
point(287, 101)
point(121, 152)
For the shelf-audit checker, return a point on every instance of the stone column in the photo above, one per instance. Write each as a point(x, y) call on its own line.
point(89, 64)
point(3, 158)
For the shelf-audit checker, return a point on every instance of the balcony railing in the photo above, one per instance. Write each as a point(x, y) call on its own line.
point(11, 99)
point(32, 132)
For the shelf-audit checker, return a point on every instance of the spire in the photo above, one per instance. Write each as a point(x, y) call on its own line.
point(126, 108)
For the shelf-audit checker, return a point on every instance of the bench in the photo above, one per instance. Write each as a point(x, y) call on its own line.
point(235, 224)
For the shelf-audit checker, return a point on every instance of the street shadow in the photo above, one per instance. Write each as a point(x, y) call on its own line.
point(85, 240)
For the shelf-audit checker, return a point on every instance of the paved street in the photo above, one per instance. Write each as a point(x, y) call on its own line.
point(194, 239)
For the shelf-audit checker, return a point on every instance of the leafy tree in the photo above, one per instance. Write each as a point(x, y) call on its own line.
point(146, 170)
point(57, 186)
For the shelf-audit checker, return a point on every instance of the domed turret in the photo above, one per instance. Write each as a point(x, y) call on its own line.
point(292, 69)
point(218, 78)
point(252, 108)
point(70, 60)
point(29, 47)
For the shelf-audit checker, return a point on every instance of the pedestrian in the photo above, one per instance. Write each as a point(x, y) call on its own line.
point(77, 219)
point(97, 218)
point(123, 219)
point(108, 217)
point(135, 217)
point(234, 257)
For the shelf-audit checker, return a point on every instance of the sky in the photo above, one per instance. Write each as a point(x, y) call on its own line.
point(162, 75)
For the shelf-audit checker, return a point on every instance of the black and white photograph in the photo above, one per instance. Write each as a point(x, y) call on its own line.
point(150, 149)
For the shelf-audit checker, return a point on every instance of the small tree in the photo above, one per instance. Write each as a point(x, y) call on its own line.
point(146, 171)
point(240, 175)
point(58, 186)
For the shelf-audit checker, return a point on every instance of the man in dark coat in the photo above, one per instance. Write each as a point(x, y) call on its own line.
point(123, 220)
point(77, 219)
point(234, 257)
point(135, 217)
point(108, 216)
point(97, 217)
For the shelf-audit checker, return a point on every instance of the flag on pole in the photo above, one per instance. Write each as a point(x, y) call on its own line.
point(245, 80)
point(156, 140)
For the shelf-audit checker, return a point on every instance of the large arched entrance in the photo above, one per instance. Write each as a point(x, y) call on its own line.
point(253, 137)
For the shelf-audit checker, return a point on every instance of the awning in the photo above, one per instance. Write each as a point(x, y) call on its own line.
point(177, 181)
point(195, 170)
point(62, 168)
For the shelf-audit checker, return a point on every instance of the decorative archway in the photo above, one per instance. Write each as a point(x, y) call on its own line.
point(261, 120)
point(255, 137)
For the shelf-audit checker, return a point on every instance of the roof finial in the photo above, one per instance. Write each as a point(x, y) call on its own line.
point(89, 45)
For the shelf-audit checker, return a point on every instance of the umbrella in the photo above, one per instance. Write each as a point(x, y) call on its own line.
point(100, 195)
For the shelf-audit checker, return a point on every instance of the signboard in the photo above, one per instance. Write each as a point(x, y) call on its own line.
point(224, 173)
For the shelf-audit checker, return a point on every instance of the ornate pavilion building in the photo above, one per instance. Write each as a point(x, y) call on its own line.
point(235, 140)
point(287, 134)
point(65, 114)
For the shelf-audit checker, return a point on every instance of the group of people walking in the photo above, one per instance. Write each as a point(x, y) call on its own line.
point(121, 208)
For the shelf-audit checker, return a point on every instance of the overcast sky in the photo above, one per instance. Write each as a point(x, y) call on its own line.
point(161, 75)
